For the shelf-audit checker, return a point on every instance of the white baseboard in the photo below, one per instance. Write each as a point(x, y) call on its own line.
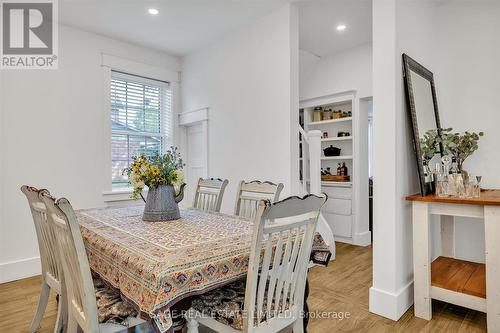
point(341, 239)
point(391, 305)
point(19, 269)
point(362, 239)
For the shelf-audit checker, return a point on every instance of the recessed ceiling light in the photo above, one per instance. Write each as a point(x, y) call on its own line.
point(153, 11)
point(341, 27)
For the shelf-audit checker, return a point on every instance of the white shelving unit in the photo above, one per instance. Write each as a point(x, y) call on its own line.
point(331, 121)
point(346, 210)
point(340, 138)
point(339, 158)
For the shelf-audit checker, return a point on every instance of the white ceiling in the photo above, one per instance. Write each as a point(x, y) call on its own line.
point(183, 26)
point(319, 19)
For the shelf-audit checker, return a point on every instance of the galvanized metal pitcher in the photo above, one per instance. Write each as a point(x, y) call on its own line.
point(162, 203)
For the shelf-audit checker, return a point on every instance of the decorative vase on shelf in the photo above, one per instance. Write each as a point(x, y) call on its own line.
point(465, 174)
point(162, 203)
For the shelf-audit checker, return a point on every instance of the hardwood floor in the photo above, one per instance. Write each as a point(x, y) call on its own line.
point(336, 290)
point(18, 302)
point(343, 287)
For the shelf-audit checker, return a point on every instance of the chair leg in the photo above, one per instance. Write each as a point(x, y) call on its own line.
point(72, 324)
point(298, 326)
point(192, 326)
point(192, 323)
point(59, 328)
point(42, 304)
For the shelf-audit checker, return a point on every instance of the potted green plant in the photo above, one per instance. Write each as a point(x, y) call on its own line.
point(460, 145)
point(161, 174)
point(429, 145)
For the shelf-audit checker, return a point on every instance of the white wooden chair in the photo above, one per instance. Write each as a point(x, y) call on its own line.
point(78, 293)
point(274, 293)
point(209, 193)
point(249, 194)
point(51, 269)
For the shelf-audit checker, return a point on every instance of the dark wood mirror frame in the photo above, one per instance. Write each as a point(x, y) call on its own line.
point(411, 65)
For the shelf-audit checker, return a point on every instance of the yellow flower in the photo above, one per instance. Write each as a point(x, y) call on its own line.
point(179, 177)
point(136, 181)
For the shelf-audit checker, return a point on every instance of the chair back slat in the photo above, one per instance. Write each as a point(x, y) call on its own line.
point(281, 269)
point(209, 194)
point(51, 268)
point(250, 193)
point(289, 269)
point(78, 285)
point(281, 246)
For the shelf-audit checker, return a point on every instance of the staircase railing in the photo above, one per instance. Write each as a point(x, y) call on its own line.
point(310, 164)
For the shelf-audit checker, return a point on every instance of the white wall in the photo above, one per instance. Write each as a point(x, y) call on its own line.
point(399, 26)
point(52, 136)
point(347, 70)
point(467, 74)
point(247, 82)
point(2, 161)
point(307, 62)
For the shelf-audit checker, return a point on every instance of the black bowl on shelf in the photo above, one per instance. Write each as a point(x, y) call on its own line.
point(331, 151)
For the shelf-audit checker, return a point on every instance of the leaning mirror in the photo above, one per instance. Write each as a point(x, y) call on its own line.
point(423, 111)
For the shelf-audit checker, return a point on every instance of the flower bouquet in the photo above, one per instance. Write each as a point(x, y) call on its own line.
point(163, 176)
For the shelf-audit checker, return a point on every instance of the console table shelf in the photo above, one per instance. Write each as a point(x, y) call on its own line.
point(468, 284)
point(461, 276)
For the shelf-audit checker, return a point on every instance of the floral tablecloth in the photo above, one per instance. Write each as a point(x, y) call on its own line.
point(156, 264)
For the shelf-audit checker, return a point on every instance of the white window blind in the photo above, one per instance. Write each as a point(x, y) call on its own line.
point(141, 120)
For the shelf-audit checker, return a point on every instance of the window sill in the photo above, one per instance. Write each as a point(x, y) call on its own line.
point(120, 194)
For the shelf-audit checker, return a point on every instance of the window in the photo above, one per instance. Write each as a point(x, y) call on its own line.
point(141, 120)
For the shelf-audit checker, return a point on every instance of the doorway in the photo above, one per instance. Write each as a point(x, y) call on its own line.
point(195, 148)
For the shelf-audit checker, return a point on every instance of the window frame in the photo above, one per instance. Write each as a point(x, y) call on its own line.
point(117, 64)
point(165, 134)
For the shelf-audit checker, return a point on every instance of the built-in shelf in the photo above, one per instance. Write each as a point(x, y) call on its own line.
point(330, 121)
point(326, 158)
point(339, 138)
point(345, 217)
point(335, 184)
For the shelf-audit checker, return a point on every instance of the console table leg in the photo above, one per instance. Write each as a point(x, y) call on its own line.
point(422, 260)
point(448, 236)
point(492, 249)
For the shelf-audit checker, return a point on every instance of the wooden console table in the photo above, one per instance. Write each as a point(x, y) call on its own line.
point(471, 285)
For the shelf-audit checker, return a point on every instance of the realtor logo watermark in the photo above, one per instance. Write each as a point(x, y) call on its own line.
point(29, 34)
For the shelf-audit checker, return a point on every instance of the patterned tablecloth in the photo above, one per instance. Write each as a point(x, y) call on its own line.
point(156, 264)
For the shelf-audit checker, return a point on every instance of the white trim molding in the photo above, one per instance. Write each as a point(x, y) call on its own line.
point(362, 238)
point(121, 194)
point(19, 269)
point(191, 118)
point(111, 63)
point(140, 69)
point(391, 305)
point(188, 118)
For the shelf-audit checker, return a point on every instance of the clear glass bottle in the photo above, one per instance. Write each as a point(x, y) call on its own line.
point(441, 181)
point(477, 187)
point(454, 165)
point(455, 181)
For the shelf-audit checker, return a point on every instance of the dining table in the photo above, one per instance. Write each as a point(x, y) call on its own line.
point(154, 265)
